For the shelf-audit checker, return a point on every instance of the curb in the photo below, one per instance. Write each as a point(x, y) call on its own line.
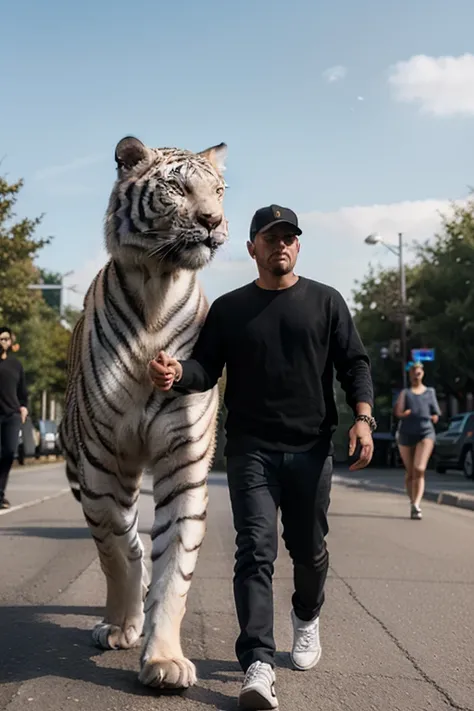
point(443, 498)
point(23, 469)
point(451, 498)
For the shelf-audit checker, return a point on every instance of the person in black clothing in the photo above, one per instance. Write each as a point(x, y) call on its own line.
point(280, 338)
point(13, 410)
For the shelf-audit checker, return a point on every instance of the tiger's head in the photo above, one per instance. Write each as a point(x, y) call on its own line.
point(166, 207)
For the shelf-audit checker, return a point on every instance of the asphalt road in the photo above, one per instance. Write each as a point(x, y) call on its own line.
point(397, 626)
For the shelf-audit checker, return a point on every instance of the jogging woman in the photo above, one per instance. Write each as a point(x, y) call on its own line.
point(418, 410)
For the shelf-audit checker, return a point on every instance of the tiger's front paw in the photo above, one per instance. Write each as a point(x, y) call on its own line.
point(172, 674)
point(108, 636)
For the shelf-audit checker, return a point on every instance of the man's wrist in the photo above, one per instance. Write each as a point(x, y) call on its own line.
point(368, 419)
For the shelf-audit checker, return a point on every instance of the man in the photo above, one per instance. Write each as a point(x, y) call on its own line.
point(280, 338)
point(13, 412)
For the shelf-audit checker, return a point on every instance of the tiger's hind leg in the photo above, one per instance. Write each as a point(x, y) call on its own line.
point(180, 494)
point(112, 517)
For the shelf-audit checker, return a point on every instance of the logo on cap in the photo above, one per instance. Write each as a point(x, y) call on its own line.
point(277, 213)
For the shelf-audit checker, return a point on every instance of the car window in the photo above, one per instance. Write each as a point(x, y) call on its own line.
point(456, 424)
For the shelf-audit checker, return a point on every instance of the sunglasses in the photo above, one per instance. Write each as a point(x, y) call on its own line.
point(272, 238)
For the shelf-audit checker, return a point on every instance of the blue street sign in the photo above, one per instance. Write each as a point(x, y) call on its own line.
point(423, 354)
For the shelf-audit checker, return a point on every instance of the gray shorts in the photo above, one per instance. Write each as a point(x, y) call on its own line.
point(411, 440)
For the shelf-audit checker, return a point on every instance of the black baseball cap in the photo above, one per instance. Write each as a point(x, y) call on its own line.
point(266, 217)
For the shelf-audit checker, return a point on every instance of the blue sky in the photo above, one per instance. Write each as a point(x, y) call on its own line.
point(348, 112)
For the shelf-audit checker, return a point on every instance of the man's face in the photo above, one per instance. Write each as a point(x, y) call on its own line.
point(5, 340)
point(275, 250)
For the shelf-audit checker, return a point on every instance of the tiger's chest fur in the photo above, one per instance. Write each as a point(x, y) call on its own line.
point(126, 323)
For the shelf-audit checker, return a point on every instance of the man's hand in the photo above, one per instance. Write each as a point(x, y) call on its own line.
point(435, 419)
point(164, 371)
point(23, 414)
point(405, 413)
point(361, 431)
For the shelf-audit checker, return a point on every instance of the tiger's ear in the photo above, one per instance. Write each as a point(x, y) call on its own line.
point(216, 155)
point(129, 152)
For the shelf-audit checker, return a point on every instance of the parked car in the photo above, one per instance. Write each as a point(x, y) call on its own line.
point(48, 438)
point(454, 447)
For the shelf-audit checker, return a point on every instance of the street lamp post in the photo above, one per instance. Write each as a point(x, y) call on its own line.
point(374, 239)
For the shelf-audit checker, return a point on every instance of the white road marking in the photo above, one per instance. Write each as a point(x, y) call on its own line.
point(27, 504)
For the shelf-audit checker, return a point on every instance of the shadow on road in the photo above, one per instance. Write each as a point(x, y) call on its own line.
point(63, 650)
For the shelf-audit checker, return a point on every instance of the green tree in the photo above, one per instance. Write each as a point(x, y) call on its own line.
point(378, 317)
point(43, 351)
point(443, 303)
point(33, 316)
point(440, 296)
point(71, 316)
point(18, 248)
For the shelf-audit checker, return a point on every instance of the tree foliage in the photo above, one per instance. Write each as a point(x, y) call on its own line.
point(41, 337)
point(18, 248)
point(70, 316)
point(43, 349)
point(443, 305)
point(440, 309)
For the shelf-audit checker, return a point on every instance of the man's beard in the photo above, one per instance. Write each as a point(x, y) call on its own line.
point(281, 269)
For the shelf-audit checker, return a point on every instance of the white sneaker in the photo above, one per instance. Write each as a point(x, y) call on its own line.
point(306, 651)
point(258, 689)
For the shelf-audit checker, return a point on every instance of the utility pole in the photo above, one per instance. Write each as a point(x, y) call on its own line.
point(374, 239)
point(403, 300)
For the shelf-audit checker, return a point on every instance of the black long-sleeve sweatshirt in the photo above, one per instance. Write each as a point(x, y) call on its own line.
point(281, 349)
point(13, 393)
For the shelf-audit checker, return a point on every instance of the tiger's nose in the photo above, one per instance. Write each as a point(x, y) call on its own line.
point(209, 221)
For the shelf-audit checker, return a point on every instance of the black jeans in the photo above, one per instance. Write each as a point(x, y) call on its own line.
point(9, 434)
point(260, 483)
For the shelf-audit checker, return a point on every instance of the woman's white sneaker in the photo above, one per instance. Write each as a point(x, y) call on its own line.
point(306, 651)
point(258, 689)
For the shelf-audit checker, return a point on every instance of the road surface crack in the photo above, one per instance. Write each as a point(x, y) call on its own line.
point(429, 680)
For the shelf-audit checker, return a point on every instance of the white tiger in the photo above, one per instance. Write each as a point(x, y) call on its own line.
point(165, 221)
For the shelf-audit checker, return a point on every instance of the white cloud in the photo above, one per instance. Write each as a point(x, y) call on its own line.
point(443, 86)
point(336, 73)
point(416, 218)
point(333, 248)
point(54, 171)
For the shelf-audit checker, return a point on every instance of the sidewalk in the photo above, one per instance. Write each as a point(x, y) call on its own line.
point(450, 489)
point(31, 462)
